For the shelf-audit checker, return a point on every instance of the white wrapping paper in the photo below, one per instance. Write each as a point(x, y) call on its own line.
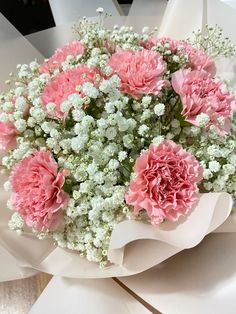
point(200, 280)
point(14, 49)
point(125, 252)
point(134, 246)
point(86, 296)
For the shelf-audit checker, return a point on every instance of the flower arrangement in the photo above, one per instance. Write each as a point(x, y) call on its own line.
point(116, 125)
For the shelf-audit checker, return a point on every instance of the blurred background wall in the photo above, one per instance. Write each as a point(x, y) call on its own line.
point(30, 16)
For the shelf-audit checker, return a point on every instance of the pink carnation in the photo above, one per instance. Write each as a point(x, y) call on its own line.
point(198, 59)
point(166, 182)
point(110, 46)
point(37, 191)
point(171, 44)
point(64, 84)
point(202, 94)
point(8, 133)
point(140, 72)
point(74, 49)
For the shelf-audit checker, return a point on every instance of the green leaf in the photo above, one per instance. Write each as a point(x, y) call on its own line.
point(180, 117)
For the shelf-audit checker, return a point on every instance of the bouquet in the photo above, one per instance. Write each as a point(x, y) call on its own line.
point(116, 126)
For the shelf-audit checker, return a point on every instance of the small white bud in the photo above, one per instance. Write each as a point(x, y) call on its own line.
point(100, 10)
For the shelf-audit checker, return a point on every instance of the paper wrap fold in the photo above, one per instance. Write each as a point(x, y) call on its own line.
point(134, 246)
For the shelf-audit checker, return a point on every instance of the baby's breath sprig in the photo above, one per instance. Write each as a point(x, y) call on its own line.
point(212, 41)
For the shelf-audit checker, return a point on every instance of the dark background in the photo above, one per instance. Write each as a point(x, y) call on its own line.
point(30, 16)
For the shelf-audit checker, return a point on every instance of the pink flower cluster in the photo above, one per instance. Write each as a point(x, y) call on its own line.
point(64, 84)
point(140, 72)
point(201, 94)
point(166, 182)
point(74, 49)
point(8, 134)
point(167, 176)
point(37, 191)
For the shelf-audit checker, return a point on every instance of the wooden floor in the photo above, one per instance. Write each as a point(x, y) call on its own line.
point(17, 297)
